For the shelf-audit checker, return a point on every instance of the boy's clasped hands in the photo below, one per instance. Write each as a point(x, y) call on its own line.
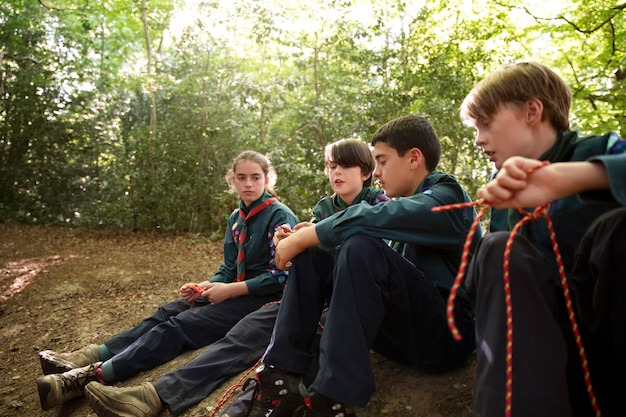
point(524, 182)
point(283, 232)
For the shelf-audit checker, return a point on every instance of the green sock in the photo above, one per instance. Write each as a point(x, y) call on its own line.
point(108, 375)
point(104, 353)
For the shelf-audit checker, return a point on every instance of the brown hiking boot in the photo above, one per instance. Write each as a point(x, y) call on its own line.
point(138, 401)
point(277, 393)
point(55, 389)
point(57, 362)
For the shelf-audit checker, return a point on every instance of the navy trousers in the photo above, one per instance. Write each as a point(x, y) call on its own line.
point(377, 299)
point(547, 376)
point(240, 349)
point(176, 327)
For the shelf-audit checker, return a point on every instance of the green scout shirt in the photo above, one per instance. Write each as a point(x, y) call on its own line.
point(330, 205)
point(262, 276)
point(432, 241)
point(572, 215)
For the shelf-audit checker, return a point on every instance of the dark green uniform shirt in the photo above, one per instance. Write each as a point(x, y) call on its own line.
point(330, 205)
point(432, 241)
point(262, 276)
point(572, 215)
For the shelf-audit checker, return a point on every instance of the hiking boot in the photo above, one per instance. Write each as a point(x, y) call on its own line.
point(138, 401)
point(316, 405)
point(55, 389)
point(56, 363)
point(277, 393)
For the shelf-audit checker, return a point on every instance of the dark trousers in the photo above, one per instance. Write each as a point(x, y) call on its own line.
point(376, 299)
point(547, 377)
point(175, 327)
point(599, 281)
point(241, 348)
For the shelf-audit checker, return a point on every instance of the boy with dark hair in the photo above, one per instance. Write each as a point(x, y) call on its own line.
point(390, 296)
point(520, 113)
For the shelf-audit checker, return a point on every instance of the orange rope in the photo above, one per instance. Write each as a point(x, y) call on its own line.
point(541, 211)
point(231, 390)
point(198, 290)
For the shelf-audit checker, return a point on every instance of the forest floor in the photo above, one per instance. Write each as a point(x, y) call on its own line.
point(62, 289)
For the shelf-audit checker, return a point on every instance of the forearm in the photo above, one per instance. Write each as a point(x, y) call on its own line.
point(236, 289)
point(577, 177)
point(307, 237)
point(523, 182)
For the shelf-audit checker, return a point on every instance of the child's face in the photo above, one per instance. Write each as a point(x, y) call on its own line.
point(393, 171)
point(250, 181)
point(347, 182)
point(505, 134)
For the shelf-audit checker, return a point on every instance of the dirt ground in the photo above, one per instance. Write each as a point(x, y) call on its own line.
point(62, 289)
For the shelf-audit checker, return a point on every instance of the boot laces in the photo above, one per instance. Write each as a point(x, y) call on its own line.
point(72, 383)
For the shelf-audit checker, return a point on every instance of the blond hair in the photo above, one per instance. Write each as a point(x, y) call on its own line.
point(518, 83)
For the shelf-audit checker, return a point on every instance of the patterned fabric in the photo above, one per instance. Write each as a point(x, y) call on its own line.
point(241, 234)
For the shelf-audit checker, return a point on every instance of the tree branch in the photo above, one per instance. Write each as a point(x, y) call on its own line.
point(46, 6)
point(617, 9)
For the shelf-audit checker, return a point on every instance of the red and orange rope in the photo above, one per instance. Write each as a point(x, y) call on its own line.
point(539, 212)
point(230, 391)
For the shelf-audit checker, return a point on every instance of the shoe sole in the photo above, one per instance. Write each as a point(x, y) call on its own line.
point(44, 389)
point(51, 365)
point(101, 409)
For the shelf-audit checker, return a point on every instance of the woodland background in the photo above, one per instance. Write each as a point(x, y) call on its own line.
point(125, 114)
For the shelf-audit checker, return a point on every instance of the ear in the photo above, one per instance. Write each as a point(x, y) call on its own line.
point(534, 110)
point(416, 157)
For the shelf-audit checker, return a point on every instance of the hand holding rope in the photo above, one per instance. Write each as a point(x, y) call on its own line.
point(541, 211)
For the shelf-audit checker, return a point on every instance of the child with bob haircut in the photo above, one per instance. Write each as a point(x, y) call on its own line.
point(386, 284)
point(521, 117)
point(349, 165)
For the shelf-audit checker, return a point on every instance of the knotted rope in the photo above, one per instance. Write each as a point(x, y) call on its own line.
point(539, 212)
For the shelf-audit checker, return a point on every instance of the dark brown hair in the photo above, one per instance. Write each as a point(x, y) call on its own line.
point(409, 132)
point(351, 153)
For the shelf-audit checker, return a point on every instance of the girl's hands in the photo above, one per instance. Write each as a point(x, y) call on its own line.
point(191, 292)
point(215, 292)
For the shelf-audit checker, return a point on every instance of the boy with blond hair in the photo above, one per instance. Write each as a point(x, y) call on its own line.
point(521, 117)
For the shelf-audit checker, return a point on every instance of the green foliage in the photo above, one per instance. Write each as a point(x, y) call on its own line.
point(119, 114)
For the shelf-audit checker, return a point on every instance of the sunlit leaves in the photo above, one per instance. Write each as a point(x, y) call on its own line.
point(284, 78)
